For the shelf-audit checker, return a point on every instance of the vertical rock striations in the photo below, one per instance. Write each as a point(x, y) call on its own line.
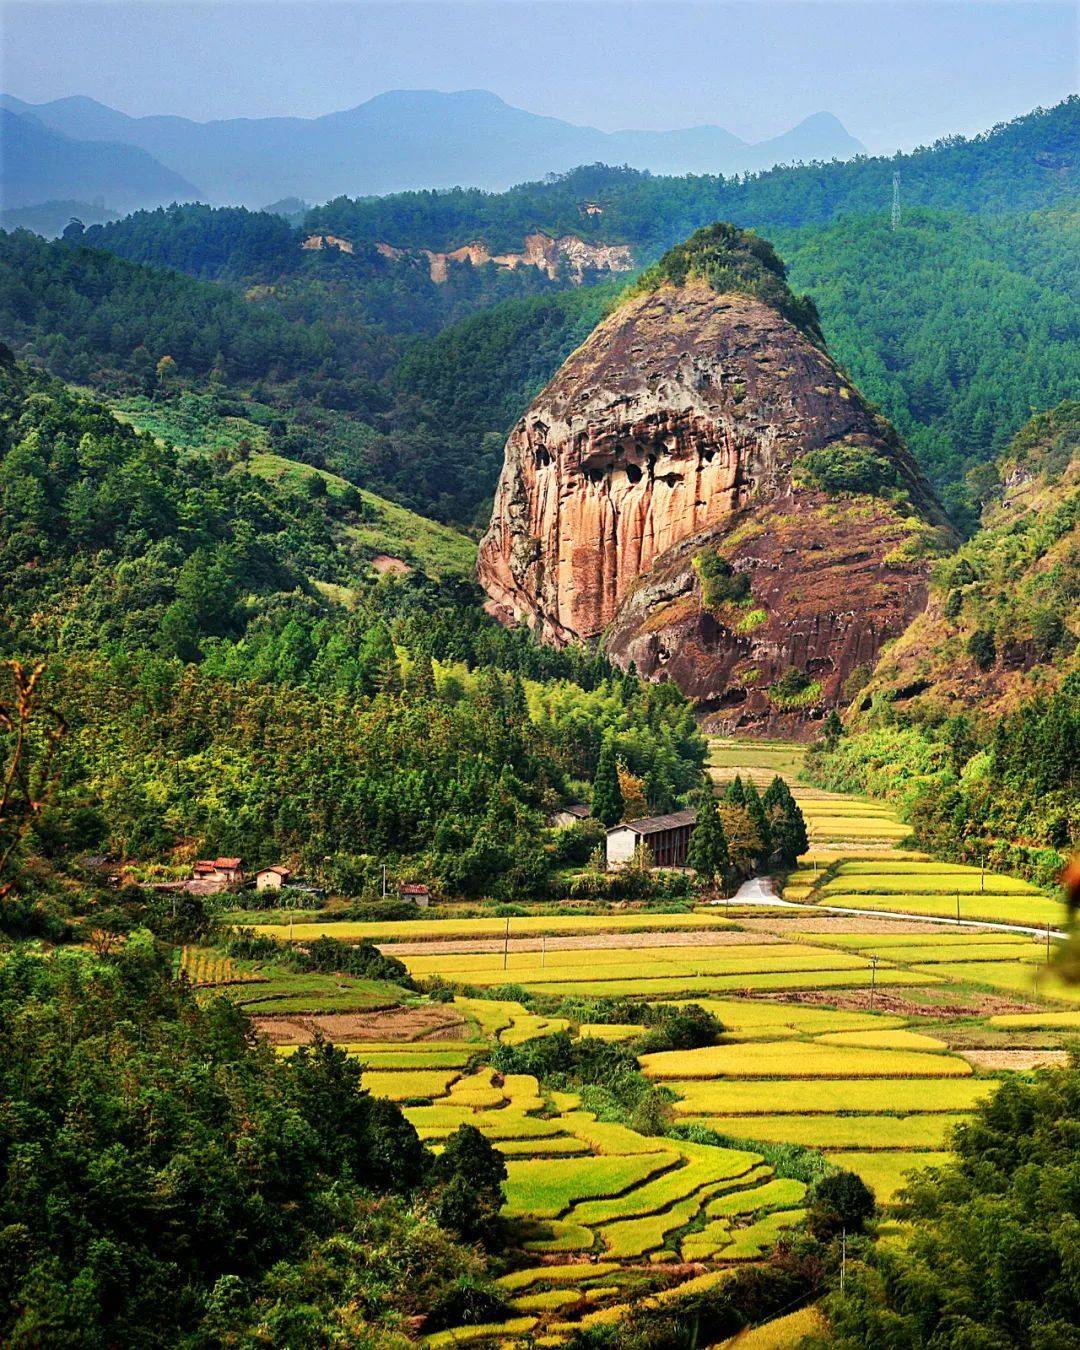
point(667, 449)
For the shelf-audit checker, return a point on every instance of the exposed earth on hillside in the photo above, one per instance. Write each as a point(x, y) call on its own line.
point(670, 443)
point(386, 1024)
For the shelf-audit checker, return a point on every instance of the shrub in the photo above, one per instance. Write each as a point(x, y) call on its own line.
point(680, 1028)
point(982, 649)
point(840, 1202)
point(720, 583)
point(844, 468)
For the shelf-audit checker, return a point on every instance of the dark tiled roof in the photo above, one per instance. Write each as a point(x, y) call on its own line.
point(577, 809)
point(654, 824)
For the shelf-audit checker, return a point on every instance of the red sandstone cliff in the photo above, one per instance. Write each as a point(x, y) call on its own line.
point(672, 433)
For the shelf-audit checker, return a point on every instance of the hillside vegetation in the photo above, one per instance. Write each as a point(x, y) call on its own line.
point(231, 672)
point(971, 720)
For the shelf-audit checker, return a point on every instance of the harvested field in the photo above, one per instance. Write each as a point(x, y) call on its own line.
point(1017, 1060)
point(703, 937)
point(428, 1023)
point(817, 925)
point(920, 1002)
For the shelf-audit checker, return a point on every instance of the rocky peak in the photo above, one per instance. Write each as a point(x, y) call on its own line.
point(682, 444)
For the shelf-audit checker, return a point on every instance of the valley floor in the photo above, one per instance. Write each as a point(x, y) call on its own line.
point(867, 1010)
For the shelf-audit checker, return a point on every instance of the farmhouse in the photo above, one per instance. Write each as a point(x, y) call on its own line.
point(570, 815)
point(668, 838)
point(219, 873)
point(415, 891)
point(272, 878)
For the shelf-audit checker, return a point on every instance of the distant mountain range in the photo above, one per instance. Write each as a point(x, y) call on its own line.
point(42, 164)
point(394, 142)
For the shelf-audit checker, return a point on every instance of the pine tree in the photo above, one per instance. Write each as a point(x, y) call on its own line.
point(776, 794)
point(736, 793)
point(760, 821)
point(786, 822)
point(798, 839)
point(708, 852)
point(607, 798)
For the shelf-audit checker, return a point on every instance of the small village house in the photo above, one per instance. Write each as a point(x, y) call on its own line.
point(415, 891)
point(217, 874)
point(272, 878)
point(569, 815)
point(668, 838)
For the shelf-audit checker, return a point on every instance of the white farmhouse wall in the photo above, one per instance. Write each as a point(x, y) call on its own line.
point(620, 847)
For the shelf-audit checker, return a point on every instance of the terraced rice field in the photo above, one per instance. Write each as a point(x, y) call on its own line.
point(421, 930)
point(839, 1036)
point(204, 966)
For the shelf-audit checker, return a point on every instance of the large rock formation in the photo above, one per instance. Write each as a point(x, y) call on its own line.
point(668, 449)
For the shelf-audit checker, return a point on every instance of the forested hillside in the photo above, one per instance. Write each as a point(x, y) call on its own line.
point(231, 672)
point(1022, 165)
point(957, 325)
point(971, 720)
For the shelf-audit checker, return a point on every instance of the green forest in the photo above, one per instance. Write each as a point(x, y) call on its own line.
point(210, 689)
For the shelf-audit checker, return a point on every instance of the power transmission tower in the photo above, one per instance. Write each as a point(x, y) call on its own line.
point(896, 200)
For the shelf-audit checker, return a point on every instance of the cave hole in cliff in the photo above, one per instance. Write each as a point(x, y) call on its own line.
point(633, 472)
point(707, 456)
point(542, 458)
point(594, 475)
point(671, 479)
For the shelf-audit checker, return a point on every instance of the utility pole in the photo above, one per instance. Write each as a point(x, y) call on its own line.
point(843, 1259)
point(873, 980)
point(982, 874)
point(896, 200)
point(543, 950)
point(384, 881)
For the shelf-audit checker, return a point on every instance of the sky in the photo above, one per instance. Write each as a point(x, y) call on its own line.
point(897, 74)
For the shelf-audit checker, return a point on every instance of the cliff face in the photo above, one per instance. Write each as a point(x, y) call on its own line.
point(668, 440)
point(569, 256)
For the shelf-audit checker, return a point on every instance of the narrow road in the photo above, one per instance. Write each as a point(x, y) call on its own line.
point(762, 891)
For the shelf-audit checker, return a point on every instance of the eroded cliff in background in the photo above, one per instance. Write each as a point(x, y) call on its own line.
point(567, 256)
point(657, 496)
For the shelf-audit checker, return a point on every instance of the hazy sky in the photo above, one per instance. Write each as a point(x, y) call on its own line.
point(895, 73)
